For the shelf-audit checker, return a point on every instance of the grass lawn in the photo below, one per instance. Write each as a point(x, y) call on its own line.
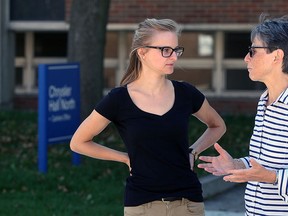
point(94, 187)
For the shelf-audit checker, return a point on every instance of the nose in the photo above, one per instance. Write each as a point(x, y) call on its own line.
point(174, 55)
point(247, 57)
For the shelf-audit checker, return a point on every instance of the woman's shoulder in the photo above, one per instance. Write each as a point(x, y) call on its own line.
point(118, 91)
point(187, 89)
point(183, 85)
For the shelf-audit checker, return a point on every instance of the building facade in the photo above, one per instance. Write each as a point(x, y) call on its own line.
point(216, 36)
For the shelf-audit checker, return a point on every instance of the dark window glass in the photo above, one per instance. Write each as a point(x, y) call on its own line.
point(236, 44)
point(19, 76)
point(37, 10)
point(239, 80)
point(36, 77)
point(20, 44)
point(51, 44)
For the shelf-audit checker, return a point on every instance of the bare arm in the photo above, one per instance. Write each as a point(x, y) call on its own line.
point(82, 140)
point(215, 128)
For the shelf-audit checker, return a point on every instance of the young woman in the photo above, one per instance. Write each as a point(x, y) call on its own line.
point(152, 115)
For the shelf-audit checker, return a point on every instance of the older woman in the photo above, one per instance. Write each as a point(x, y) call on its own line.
point(266, 168)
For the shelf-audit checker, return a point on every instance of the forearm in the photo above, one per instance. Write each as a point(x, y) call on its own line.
point(95, 150)
point(208, 138)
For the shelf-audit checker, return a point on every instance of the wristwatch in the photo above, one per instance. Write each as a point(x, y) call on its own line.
point(194, 153)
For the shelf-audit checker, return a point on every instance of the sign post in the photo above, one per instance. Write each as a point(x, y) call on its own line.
point(58, 107)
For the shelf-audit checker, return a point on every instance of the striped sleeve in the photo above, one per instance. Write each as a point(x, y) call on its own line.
point(282, 184)
point(245, 160)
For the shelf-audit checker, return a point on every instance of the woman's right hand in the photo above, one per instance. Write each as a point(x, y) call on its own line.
point(217, 165)
point(127, 162)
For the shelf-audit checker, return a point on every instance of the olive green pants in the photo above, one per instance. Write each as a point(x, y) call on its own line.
point(182, 207)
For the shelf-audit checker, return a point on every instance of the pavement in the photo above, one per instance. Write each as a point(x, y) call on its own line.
point(223, 198)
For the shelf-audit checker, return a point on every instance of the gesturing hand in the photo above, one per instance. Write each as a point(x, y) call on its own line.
point(256, 173)
point(217, 165)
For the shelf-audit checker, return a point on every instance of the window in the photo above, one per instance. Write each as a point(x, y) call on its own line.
point(236, 44)
point(37, 10)
point(19, 76)
point(197, 44)
point(205, 45)
point(49, 44)
point(236, 47)
point(19, 38)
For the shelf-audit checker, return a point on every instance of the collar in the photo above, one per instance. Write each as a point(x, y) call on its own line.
point(283, 97)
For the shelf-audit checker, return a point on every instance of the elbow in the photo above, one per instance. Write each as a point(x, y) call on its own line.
point(223, 127)
point(73, 146)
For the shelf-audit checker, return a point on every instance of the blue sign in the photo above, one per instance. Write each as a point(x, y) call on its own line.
point(58, 107)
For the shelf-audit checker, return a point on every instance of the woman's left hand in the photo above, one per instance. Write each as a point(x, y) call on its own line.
point(256, 173)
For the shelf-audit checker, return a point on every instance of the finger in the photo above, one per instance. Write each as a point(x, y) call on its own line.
point(207, 167)
point(217, 173)
point(233, 179)
point(253, 162)
point(219, 149)
point(206, 158)
point(239, 175)
point(210, 170)
point(236, 171)
point(204, 165)
point(229, 178)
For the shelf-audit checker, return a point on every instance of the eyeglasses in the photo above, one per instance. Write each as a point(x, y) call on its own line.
point(167, 51)
point(252, 51)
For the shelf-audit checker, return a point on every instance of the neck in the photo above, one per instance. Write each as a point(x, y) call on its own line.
point(276, 87)
point(150, 85)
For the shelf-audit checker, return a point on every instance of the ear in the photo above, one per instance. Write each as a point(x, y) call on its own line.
point(279, 54)
point(141, 53)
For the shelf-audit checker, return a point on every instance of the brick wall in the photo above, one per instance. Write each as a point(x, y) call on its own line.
point(192, 11)
point(196, 11)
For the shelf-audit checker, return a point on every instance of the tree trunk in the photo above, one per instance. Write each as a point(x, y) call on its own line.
point(86, 43)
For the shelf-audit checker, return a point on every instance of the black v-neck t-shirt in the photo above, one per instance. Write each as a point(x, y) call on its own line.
point(157, 145)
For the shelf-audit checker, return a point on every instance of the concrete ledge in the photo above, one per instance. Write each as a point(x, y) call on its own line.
point(213, 185)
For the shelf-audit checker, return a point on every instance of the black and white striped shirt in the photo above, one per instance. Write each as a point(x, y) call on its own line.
point(269, 146)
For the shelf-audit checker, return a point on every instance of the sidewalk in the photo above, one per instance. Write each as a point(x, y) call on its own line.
point(222, 198)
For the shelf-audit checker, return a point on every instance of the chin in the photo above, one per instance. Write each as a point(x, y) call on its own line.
point(169, 72)
point(251, 77)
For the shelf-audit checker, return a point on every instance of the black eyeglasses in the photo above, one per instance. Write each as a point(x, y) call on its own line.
point(252, 51)
point(167, 51)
